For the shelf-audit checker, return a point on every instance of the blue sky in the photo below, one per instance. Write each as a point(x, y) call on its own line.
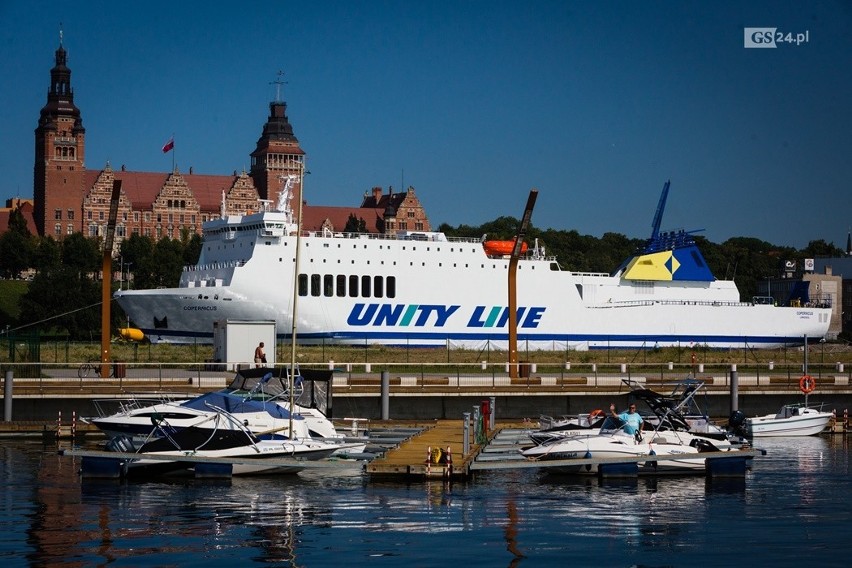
point(595, 104)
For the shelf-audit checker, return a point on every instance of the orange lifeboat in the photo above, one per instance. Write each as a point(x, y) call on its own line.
point(501, 248)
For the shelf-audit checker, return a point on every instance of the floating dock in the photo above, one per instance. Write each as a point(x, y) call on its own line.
point(417, 457)
point(427, 450)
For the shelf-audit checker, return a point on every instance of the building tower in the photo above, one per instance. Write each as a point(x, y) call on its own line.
point(277, 154)
point(59, 157)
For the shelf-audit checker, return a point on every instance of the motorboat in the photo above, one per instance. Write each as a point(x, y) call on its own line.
point(224, 441)
point(257, 397)
point(798, 419)
point(668, 451)
point(677, 411)
point(141, 423)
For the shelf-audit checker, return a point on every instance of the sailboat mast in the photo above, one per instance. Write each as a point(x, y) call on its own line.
point(296, 296)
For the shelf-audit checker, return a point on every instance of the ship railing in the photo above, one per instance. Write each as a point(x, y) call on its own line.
point(635, 303)
point(213, 266)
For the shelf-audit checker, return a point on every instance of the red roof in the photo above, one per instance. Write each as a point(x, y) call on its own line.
point(315, 216)
point(142, 188)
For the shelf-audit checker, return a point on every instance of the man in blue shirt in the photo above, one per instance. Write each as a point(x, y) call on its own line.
point(633, 423)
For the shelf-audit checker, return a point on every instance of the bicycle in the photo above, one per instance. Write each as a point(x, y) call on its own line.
point(93, 367)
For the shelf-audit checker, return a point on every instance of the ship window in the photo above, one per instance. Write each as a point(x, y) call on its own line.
point(303, 284)
point(328, 285)
point(315, 284)
point(341, 285)
point(378, 286)
point(353, 286)
point(580, 290)
point(365, 286)
point(391, 287)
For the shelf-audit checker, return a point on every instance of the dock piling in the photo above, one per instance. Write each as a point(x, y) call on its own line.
point(7, 396)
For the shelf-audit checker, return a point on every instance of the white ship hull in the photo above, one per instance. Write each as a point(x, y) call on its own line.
point(422, 289)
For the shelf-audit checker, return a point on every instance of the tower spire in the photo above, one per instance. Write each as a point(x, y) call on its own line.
point(278, 82)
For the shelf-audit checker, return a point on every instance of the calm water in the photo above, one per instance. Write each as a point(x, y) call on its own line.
point(795, 506)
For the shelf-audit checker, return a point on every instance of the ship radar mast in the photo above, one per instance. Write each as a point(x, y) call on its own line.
point(658, 216)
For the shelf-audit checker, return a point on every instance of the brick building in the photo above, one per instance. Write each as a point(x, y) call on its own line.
point(69, 198)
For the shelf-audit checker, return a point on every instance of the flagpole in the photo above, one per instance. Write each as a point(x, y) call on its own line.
point(173, 152)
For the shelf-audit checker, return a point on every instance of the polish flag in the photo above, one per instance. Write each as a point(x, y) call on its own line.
point(169, 145)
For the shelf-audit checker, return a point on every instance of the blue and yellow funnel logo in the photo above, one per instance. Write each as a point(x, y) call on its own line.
point(679, 264)
point(656, 266)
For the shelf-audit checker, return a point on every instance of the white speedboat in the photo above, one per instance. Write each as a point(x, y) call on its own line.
point(391, 289)
point(679, 451)
point(224, 443)
point(791, 420)
point(258, 398)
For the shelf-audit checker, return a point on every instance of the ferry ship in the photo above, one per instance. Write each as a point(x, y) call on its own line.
point(428, 289)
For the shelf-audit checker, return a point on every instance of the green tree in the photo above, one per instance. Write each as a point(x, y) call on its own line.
point(192, 249)
point(137, 253)
point(167, 262)
point(16, 246)
point(355, 225)
point(64, 300)
point(47, 255)
point(81, 253)
point(822, 248)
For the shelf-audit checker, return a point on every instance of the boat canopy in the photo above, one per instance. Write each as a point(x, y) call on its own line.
point(236, 404)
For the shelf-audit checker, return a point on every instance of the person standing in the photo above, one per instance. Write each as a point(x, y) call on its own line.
point(633, 423)
point(259, 355)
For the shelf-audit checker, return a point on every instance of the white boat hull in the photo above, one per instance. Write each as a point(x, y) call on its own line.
point(668, 453)
point(257, 459)
point(802, 422)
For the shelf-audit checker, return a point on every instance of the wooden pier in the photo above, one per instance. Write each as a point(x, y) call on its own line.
point(436, 452)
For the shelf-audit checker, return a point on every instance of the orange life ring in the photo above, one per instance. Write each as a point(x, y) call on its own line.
point(807, 384)
point(595, 413)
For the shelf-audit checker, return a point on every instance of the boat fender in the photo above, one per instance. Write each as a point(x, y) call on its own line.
point(807, 384)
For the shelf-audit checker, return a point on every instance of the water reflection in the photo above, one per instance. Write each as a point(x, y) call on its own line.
point(50, 516)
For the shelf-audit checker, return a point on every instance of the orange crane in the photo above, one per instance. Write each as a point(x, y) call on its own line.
point(106, 280)
point(513, 285)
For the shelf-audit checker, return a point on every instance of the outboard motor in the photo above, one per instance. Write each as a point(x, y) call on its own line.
point(121, 444)
point(703, 445)
point(736, 422)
